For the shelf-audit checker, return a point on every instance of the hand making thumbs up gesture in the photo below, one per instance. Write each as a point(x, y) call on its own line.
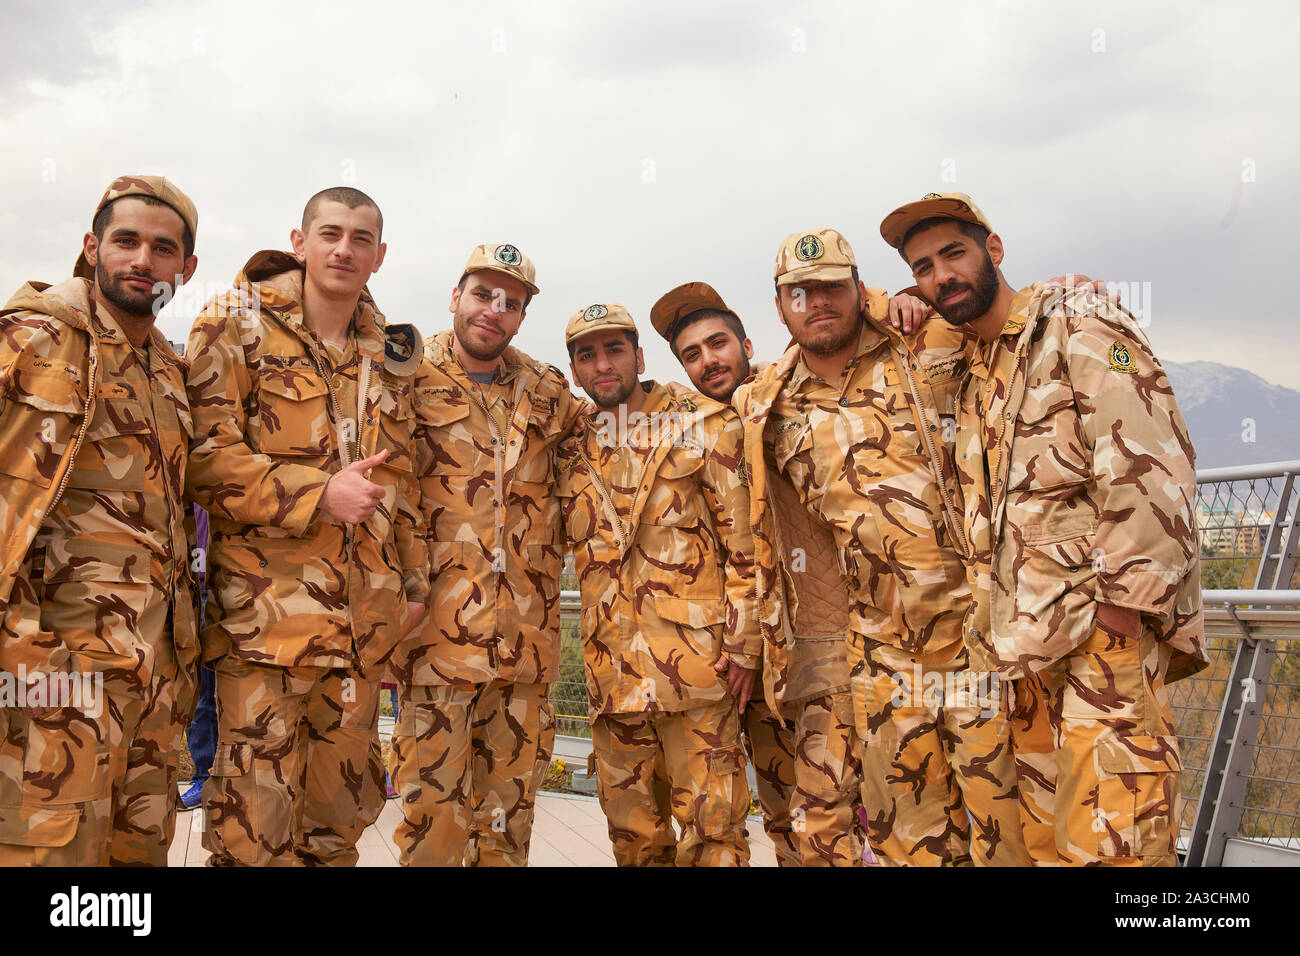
point(351, 497)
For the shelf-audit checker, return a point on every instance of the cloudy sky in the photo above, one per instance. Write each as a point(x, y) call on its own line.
point(629, 147)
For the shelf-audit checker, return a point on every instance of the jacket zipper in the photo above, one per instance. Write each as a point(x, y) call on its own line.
point(949, 508)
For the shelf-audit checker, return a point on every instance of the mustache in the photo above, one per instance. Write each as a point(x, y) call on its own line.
point(954, 285)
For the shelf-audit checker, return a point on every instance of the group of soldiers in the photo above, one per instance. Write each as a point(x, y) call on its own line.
point(930, 571)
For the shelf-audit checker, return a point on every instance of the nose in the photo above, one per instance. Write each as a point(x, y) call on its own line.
point(142, 261)
point(942, 272)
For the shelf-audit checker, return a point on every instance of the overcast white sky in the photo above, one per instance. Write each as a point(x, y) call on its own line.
point(627, 148)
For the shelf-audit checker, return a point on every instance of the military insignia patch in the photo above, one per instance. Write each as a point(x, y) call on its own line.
point(931, 196)
point(1121, 360)
point(570, 463)
point(594, 312)
point(508, 255)
point(809, 247)
point(742, 472)
point(690, 405)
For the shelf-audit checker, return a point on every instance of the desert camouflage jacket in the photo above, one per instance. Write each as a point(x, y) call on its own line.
point(94, 439)
point(1089, 489)
point(485, 459)
point(863, 456)
point(660, 532)
point(288, 584)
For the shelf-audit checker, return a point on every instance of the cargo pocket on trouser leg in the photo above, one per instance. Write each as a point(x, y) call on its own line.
point(1137, 796)
point(234, 830)
point(57, 811)
point(720, 810)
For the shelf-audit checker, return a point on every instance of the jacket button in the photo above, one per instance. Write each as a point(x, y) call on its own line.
point(975, 632)
point(494, 441)
point(262, 563)
point(934, 428)
point(844, 403)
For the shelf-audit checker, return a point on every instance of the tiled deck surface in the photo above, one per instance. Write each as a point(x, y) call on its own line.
point(567, 831)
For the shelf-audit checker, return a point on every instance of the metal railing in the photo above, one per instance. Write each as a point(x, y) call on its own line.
point(1238, 720)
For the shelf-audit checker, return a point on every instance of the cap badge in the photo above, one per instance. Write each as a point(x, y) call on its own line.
point(508, 255)
point(594, 312)
point(931, 196)
point(809, 247)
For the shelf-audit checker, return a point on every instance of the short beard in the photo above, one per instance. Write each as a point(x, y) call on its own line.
point(621, 396)
point(139, 305)
point(461, 325)
point(724, 396)
point(822, 347)
point(983, 292)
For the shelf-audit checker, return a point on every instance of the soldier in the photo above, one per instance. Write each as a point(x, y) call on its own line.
point(475, 728)
point(805, 749)
point(304, 414)
point(851, 417)
point(1079, 485)
point(656, 511)
point(95, 429)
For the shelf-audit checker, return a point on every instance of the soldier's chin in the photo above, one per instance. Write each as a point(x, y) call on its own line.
point(718, 392)
point(481, 350)
point(139, 305)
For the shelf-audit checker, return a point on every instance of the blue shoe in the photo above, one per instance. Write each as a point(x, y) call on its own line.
point(191, 798)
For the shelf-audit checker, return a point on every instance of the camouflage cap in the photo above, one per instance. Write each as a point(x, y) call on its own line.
point(595, 318)
point(155, 186)
point(932, 205)
point(505, 258)
point(681, 302)
point(822, 255)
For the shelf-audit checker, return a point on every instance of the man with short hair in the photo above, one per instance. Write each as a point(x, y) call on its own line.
point(852, 417)
point(304, 419)
point(475, 728)
point(655, 508)
point(804, 747)
point(96, 586)
point(1079, 483)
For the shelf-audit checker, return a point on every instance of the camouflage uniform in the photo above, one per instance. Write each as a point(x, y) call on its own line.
point(475, 730)
point(96, 577)
point(863, 455)
point(96, 572)
point(303, 610)
point(660, 532)
point(1070, 439)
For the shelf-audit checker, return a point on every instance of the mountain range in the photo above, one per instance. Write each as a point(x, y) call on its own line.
point(1234, 416)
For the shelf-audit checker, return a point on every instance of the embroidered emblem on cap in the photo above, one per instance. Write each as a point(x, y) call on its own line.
point(508, 254)
point(594, 312)
point(931, 196)
point(1121, 360)
point(809, 247)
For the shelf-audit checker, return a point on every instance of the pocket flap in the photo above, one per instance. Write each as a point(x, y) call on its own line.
point(40, 383)
point(1042, 400)
point(441, 404)
point(690, 612)
point(232, 760)
point(723, 763)
point(76, 559)
point(295, 384)
point(38, 826)
point(1133, 754)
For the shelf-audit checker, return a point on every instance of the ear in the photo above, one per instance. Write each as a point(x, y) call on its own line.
point(993, 246)
point(640, 361)
point(379, 260)
point(191, 264)
point(455, 299)
point(862, 296)
point(780, 314)
point(298, 241)
point(90, 246)
point(748, 347)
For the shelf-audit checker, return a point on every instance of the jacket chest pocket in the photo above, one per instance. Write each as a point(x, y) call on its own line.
point(42, 417)
point(676, 498)
point(396, 426)
point(117, 453)
point(580, 509)
point(294, 410)
point(1050, 448)
point(537, 457)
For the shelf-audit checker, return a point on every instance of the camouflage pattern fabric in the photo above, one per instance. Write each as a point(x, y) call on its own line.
point(939, 776)
point(466, 762)
point(700, 751)
point(290, 585)
point(660, 535)
point(770, 745)
point(297, 774)
point(828, 783)
point(96, 578)
point(485, 461)
point(1079, 484)
point(1097, 755)
point(871, 458)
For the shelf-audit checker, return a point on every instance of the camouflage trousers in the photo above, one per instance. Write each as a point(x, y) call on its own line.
point(700, 755)
point(1097, 756)
point(297, 774)
point(809, 775)
point(939, 777)
point(466, 762)
point(84, 789)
